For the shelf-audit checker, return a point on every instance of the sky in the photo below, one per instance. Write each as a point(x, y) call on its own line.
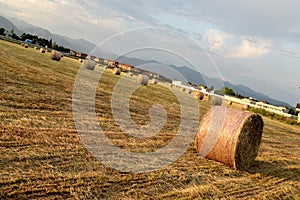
point(252, 42)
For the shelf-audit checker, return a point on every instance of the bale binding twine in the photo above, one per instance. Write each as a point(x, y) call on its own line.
point(236, 135)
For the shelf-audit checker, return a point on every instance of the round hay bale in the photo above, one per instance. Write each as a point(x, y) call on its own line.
point(207, 97)
point(238, 140)
point(89, 64)
point(116, 71)
point(55, 55)
point(215, 100)
point(42, 50)
point(245, 106)
point(154, 81)
point(142, 79)
point(198, 94)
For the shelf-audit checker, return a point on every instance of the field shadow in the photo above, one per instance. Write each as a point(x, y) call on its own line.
point(286, 170)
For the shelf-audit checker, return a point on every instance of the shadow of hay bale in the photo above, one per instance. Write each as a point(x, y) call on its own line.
point(276, 169)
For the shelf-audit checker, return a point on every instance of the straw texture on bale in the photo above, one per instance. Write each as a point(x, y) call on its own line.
point(42, 50)
point(116, 71)
point(142, 79)
point(198, 94)
point(238, 140)
point(89, 64)
point(55, 55)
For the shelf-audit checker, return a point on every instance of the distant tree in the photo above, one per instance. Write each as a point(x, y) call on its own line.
point(240, 96)
point(63, 49)
point(2, 30)
point(292, 111)
point(211, 88)
point(54, 46)
point(14, 36)
point(227, 91)
point(12, 31)
point(50, 43)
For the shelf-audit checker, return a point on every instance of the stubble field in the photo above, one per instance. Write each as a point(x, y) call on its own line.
point(42, 156)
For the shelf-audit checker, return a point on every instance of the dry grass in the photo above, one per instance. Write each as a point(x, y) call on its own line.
point(43, 157)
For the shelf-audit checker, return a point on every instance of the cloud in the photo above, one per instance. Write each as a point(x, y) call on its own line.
point(250, 49)
point(233, 46)
point(214, 39)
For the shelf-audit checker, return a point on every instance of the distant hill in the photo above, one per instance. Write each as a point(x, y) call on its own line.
point(8, 25)
point(21, 26)
point(77, 44)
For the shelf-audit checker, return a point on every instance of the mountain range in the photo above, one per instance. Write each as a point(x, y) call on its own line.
point(20, 26)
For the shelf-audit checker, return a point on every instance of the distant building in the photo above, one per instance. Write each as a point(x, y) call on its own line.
point(179, 83)
point(248, 101)
point(81, 55)
point(125, 67)
point(28, 41)
point(73, 52)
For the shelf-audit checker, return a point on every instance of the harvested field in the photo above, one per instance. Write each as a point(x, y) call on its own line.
point(43, 157)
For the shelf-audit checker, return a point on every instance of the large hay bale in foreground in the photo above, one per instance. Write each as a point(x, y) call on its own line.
point(198, 94)
point(237, 141)
point(89, 64)
point(142, 79)
point(55, 55)
point(116, 71)
point(42, 50)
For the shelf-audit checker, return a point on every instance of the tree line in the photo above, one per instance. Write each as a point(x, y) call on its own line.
point(36, 40)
